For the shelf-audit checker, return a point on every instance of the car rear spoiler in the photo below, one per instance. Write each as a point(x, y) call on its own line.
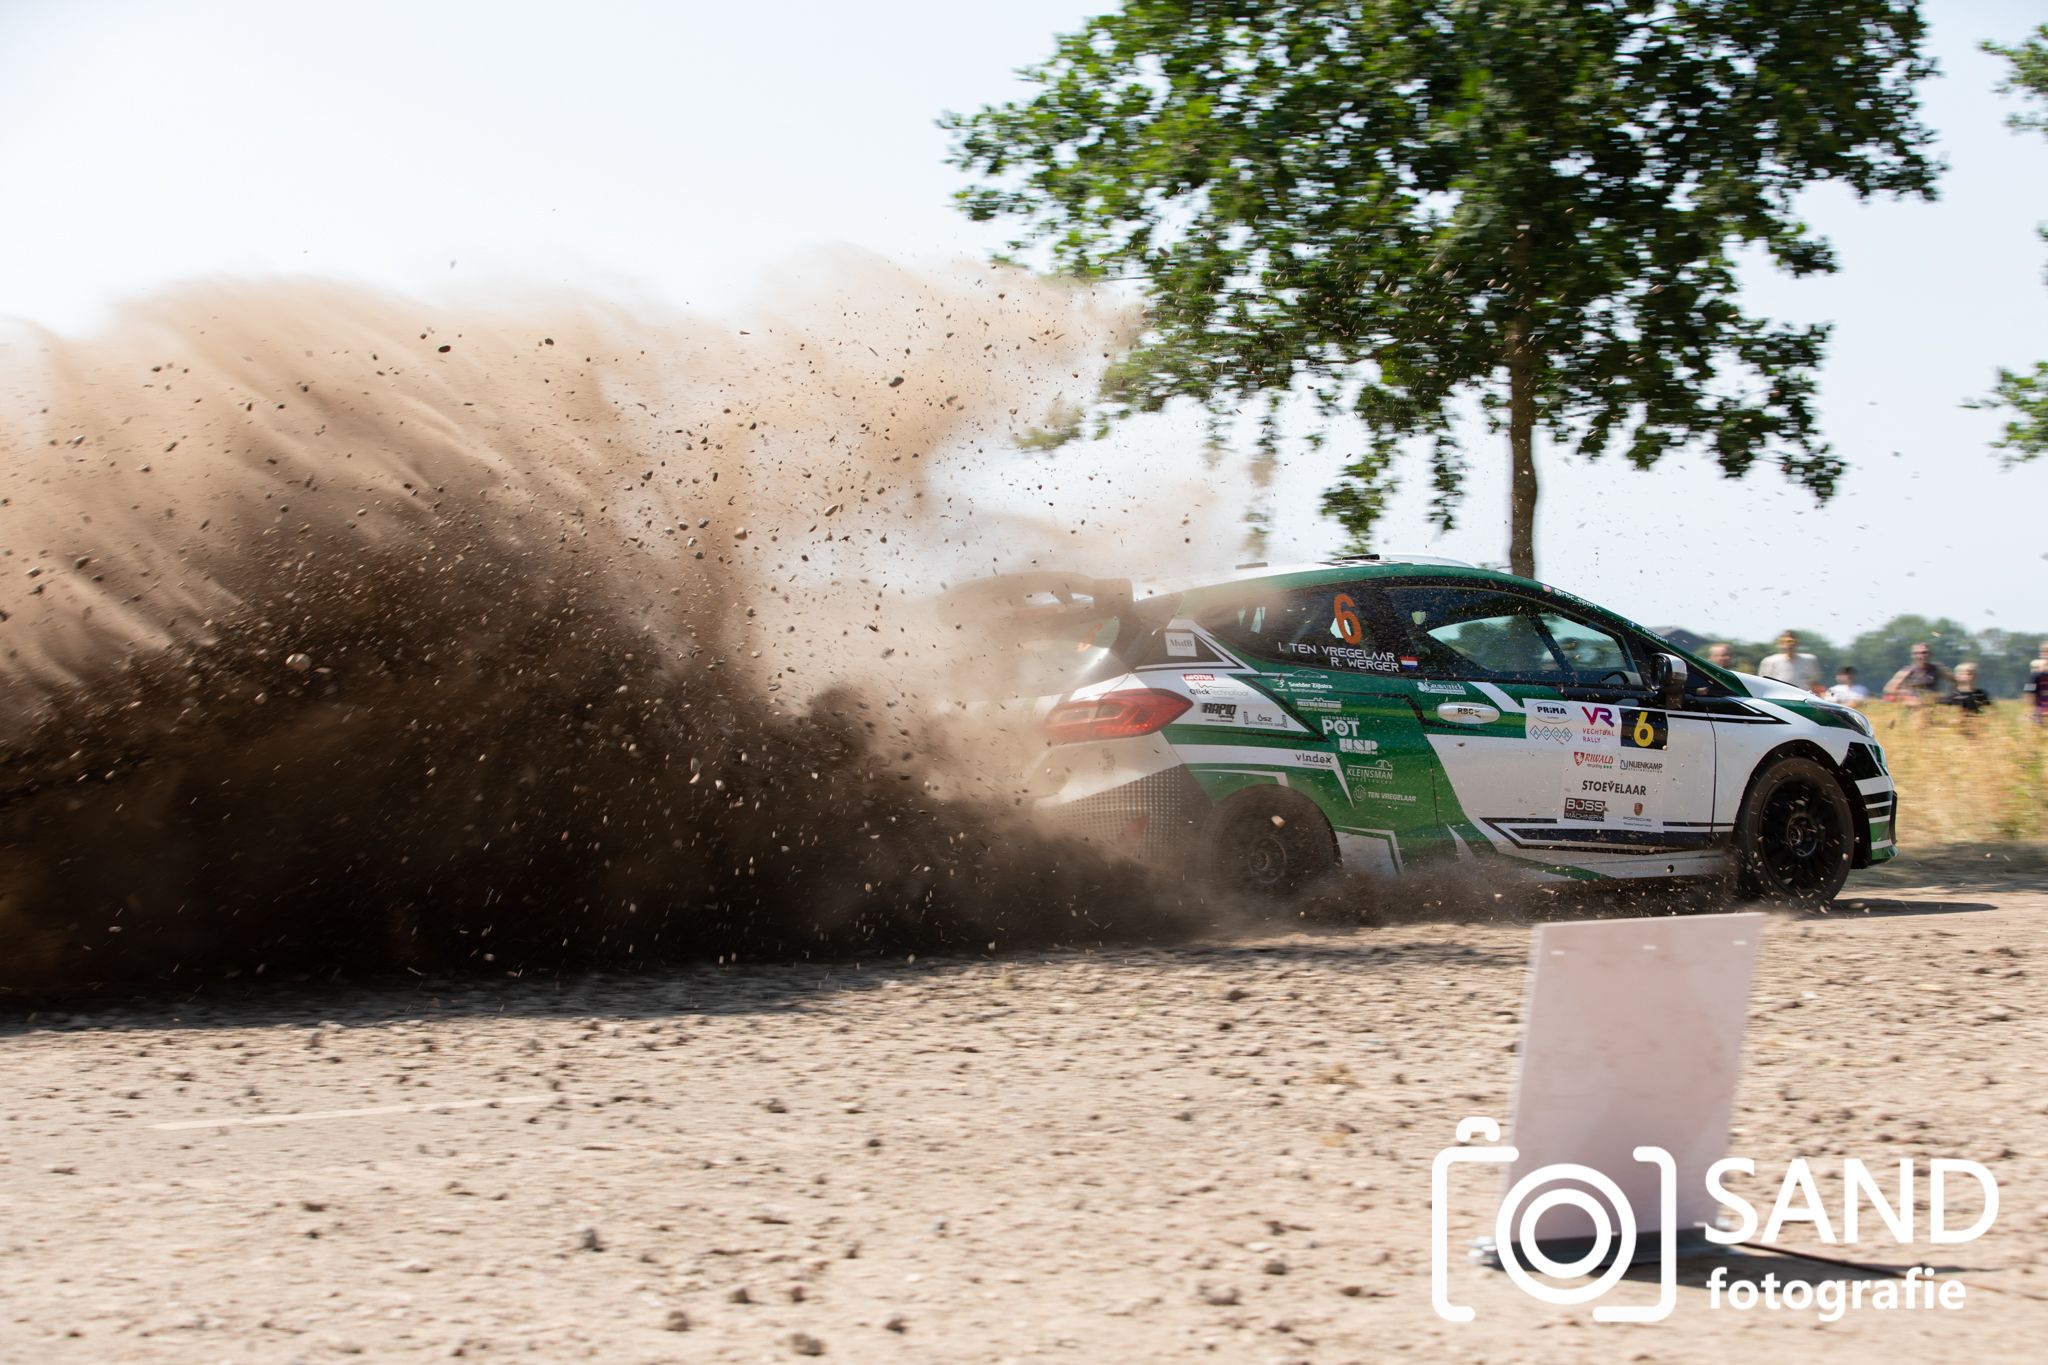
point(1043, 606)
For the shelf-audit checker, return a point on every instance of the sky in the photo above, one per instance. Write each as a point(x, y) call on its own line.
point(697, 154)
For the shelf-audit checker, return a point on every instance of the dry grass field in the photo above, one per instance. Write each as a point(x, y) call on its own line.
point(1966, 779)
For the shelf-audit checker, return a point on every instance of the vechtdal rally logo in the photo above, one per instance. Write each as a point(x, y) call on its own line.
point(1615, 1245)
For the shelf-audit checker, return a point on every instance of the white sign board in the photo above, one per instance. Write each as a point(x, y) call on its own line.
point(1633, 1037)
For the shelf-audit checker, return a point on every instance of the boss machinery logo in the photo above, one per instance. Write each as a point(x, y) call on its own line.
point(1614, 1244)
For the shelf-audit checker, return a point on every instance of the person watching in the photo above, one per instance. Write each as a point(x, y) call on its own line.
point(1790, 666)
point(1721, 656)
point(1966, 695)
point(1920, 681)
point(1847, 691)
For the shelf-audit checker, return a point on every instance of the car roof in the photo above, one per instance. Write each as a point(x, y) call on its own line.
point(1335, 569)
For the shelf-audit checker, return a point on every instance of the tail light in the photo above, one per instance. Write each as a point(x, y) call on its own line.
point(1115, 715)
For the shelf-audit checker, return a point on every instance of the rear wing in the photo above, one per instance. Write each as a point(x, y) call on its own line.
point(1043, 606)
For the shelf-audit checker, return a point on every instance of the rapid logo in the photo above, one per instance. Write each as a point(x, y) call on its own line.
point(1644, 729)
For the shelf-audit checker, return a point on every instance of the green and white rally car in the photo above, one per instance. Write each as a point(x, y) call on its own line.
point(1401, 714)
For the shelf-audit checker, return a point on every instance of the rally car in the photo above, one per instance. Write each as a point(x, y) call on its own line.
point(1397, 714)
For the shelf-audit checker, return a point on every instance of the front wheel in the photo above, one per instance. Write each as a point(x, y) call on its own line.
point(1268, 842)
point(1796, 836)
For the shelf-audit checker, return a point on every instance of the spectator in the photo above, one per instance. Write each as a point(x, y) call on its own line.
point(1788, 665)
point(2037, 686)
point(1919, 681)
point(1721, 656)
point(1966, 694)
point(1847, 691)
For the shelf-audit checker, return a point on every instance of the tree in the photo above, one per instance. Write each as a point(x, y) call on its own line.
point(1385, 204)
point(2026, 435)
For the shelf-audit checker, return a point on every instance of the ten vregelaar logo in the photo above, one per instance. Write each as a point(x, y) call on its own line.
point(1883, 1205)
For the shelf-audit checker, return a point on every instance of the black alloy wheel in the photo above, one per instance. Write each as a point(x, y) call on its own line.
point(1268, 842)
point(1797, 835)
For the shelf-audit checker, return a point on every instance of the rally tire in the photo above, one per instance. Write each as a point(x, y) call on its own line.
point(1796, 837)
point(1267, 843)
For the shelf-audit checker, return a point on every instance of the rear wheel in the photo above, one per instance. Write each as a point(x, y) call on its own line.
point(1796, 836)
point(1268, 842)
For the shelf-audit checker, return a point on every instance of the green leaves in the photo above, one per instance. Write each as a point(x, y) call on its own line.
point(2026, 396)
point(1356, 202)
point(2029, 77)
point(2026, 435)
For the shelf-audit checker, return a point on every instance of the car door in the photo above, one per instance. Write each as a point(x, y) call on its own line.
point(1321, 651)
point(1551, 744)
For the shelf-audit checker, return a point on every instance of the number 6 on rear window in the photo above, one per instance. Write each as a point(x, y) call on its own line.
point(1349, 628)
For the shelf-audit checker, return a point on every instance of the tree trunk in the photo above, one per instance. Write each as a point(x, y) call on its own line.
point(1521, 450)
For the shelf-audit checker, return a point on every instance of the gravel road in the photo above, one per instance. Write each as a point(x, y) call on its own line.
point(1218, 1150)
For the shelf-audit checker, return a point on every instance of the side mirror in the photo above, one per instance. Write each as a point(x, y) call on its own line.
point(1668, 677)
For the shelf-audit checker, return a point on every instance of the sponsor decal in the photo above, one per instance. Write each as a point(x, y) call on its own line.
point(1382, 771)
point(1551, 712)
point(1441, 689)
point(1221, 710)
point(1357, 746)
point(1314, 760)
point(1391, 796)
point(1582, 759)
point(1318, 704)
point(1297, 683)
point(1180, 644)
point(1612, 788)
point(1340, 727)
point(1264, 717)
point(1577, 809)
point(1468, 713)
point(1599, 726)
point(1644, 729)
point(1641, 765)
point(1552, 734)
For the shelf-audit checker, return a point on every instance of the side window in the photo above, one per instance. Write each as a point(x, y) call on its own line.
point(1328, 627)
point(1488, 634)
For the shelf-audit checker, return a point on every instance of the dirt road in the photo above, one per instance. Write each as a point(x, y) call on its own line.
point(1211, 1151)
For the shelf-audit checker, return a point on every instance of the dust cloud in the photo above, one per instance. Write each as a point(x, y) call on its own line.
point(338, 630)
